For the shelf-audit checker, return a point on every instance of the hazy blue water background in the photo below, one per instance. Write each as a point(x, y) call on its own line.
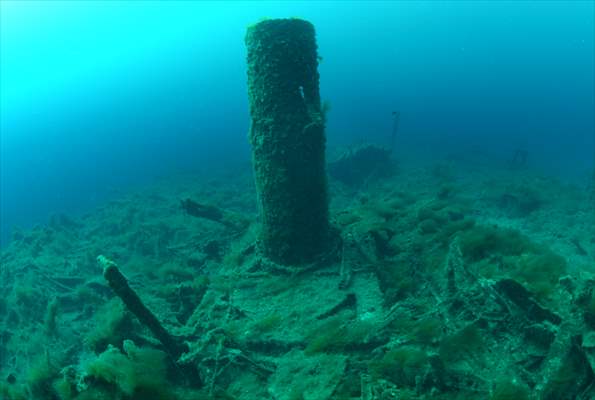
point(97, 97)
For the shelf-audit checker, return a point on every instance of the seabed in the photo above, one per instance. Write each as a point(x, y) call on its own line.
point(453, 280)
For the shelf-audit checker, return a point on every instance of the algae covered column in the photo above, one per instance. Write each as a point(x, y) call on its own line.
point(288, 141)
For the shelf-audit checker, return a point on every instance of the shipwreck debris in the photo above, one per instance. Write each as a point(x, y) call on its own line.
point(119, 284)
point(288, 140)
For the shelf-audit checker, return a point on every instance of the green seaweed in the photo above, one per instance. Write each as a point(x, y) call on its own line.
point(40, 376)
point(453, 227)
point(467, 342)
point(266, 324)
point(395, 278)
point(400, 365)
point(428, 226)
point(520, 200)
point(428, 330)
point(138, 373)
point(429, 212)
point(12, 392)
point(540, 272)
point(111, 326)
point(329, 337)
point(337, 334)
point(509, 390)
point(49, 322)
point(590, 304)
point(486, 241)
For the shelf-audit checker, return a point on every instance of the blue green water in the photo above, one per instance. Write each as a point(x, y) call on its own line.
point(96, 97)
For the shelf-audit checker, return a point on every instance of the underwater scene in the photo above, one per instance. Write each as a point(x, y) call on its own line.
point(297, 200)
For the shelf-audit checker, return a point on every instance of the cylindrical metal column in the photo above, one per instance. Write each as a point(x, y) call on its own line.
point(288, 141)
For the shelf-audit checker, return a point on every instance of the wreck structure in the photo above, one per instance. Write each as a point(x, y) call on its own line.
point(288, 140)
